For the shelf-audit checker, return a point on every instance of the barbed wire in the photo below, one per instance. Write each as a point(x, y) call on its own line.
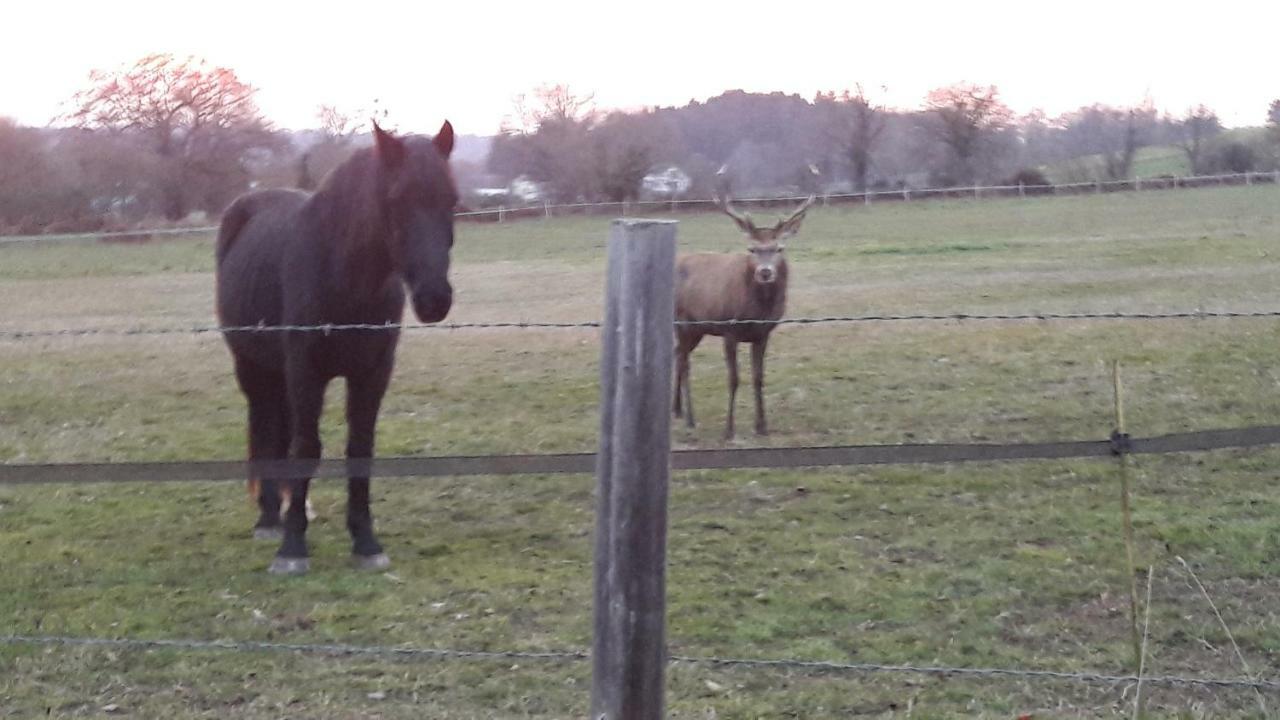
point(340, 649)
point(25, 333)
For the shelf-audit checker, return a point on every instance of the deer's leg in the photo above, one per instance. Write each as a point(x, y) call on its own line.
point(686, 344)
point(364, 397)
point(682, 360)
point(757, 381)
point(731, 364)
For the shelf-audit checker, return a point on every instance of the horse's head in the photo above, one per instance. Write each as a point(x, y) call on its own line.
point(418, 197)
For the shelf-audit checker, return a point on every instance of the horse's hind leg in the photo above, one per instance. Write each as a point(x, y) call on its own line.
point(364, 397)
point(268, 440)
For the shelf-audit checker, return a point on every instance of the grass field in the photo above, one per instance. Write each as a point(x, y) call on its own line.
point(985, 565)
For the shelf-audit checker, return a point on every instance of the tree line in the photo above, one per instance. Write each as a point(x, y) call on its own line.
point(960, 135)
point(171, 139)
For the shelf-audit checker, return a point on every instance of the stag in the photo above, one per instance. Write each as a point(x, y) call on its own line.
point(713, 289)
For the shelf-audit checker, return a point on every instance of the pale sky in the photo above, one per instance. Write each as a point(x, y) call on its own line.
point(426, 61)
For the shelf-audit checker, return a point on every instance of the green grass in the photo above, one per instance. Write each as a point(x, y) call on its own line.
point(1000, 565)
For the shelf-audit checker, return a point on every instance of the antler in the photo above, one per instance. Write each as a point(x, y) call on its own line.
point(721, 196)
point(791, 223)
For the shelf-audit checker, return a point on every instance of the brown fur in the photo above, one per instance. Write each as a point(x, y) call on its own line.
point(716, 287)
point(719, 287)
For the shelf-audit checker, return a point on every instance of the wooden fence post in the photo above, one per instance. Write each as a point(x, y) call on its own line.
point(633, 468)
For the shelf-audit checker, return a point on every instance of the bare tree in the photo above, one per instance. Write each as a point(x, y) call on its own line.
point(1119, 162)
point(548, 137)
point(859, 124)
point(25, 173)
point(966, 117)
point(201, 121)
point(338, 131)
point(1112, 135)
point(549, 104)
point(1199, 125)
point(624, 147)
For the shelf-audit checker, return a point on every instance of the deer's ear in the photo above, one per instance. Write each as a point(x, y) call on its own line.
point(788, 227)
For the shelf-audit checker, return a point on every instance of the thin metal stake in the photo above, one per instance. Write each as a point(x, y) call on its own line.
point(1122, 452)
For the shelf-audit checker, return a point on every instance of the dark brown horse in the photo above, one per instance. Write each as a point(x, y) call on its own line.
point(381, 221)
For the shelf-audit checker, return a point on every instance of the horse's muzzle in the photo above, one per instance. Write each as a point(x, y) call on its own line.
point(434, 306)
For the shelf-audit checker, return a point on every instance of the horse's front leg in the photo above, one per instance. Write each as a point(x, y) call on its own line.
point(364, 397)
point(306, 402)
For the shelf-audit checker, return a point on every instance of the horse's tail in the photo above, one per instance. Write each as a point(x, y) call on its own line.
point(233, 221)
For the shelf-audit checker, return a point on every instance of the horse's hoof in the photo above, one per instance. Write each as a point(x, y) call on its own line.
point(289, 566)
point(371, 562)
point(268, 533)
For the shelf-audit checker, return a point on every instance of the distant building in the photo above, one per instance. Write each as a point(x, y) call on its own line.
point(670, 182)
point(525, 190)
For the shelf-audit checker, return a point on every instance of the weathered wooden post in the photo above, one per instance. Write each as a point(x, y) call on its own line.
point(632, 471)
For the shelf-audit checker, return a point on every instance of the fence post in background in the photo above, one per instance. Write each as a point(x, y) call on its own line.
point(977, 192)
point(866, 196)
point(1120, 446)
point(633, 468)
point(501, 212)
point(546, 208)
point(906, 194)
point(1248, 178)
point(1022, 189)
point(1175, 182)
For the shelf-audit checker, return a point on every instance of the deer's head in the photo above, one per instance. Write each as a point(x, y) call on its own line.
point(766, 243)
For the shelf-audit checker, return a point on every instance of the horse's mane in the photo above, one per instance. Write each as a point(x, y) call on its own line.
point(344, 209)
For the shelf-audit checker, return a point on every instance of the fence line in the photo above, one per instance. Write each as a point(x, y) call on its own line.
point(500, 214)
point(579, 463)
point(25, 334)
point(417, 653)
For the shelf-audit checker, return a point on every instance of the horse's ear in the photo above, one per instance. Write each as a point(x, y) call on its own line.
point(444, 140)
point(390, 147)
